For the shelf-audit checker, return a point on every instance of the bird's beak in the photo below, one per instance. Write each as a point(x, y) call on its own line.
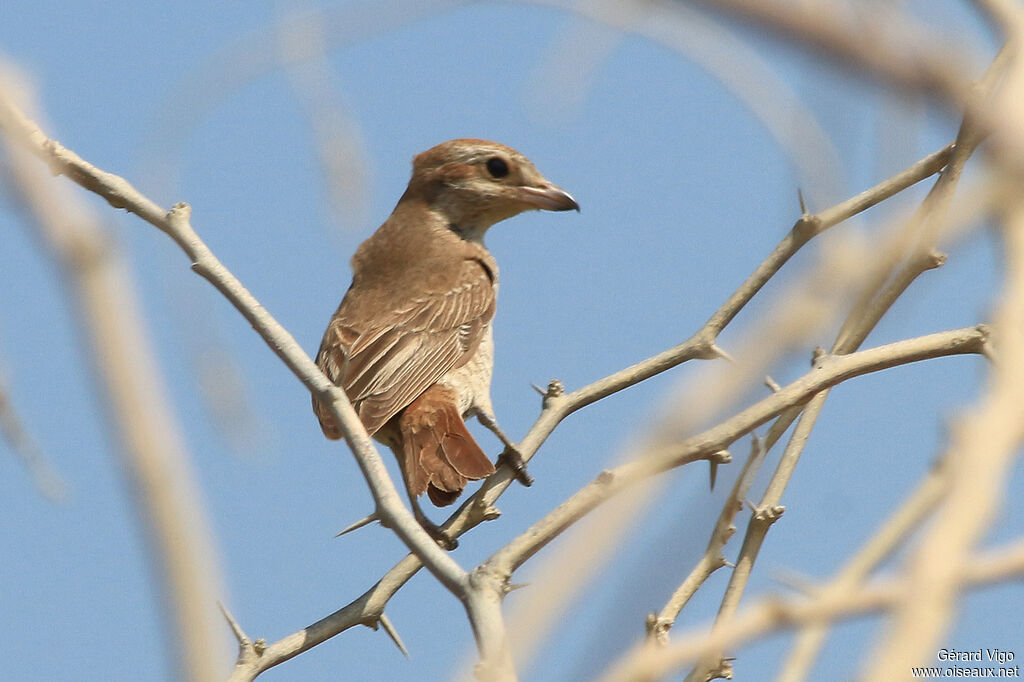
point(548, 198)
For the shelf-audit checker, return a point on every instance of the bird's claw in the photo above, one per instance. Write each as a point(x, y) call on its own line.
point(514, 459)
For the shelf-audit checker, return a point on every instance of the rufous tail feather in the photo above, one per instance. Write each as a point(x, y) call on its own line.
point(440, 453)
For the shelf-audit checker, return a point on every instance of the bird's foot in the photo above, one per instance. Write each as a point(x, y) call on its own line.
point(514, 459)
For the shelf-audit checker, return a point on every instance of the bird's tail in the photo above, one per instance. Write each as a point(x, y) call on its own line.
point(441, 455)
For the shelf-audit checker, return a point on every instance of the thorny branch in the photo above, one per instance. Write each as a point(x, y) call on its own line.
point(153, 455)
point(900, 271)
point(771, 614)
point(175, 223)
point(923, 72)
point(557, 405)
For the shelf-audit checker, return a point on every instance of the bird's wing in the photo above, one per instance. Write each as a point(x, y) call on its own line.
point(385, 362)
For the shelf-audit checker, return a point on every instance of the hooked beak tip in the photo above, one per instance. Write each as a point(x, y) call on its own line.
point(548, 198)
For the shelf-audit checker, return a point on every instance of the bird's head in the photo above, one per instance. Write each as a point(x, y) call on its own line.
point(475, 183)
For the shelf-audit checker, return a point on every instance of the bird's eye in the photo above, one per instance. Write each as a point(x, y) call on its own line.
point(497, 167)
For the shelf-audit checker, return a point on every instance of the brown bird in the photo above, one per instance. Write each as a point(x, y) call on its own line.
point(411, 343)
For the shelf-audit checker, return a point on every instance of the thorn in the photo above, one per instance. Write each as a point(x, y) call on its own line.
point(729, 564)
point(543, 393)
point(721, 353)
point(515, 586)
point(236, 629)
point(360, 523)
point(772, 385)
point(385, 623)
point(803, 205)
point(713, 472)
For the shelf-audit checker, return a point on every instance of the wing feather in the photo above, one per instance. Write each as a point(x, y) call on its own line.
point(385, 360)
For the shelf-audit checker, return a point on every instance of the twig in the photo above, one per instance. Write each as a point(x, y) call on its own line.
point(713, 557)
point(883, 289)
point(154, 458)
point(175, 223)
point(770, 615)
point(45, 477)
point(984, 448)
point(557, 405)
point(917, 507)
point(829, 372)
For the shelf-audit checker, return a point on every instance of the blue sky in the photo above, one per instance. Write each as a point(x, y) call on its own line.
point(683, 190)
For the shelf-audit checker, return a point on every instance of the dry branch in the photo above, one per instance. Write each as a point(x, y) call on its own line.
point(154, 458)
point(772, 614)
point(557, 405)
point(901, 267)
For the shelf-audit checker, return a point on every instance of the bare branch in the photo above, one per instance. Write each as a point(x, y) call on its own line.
point(889, 47)
point(770, 615)
point(156, 462)
point(829, 372)
point(713, 557)
point(702, 344)
point(920, 236)
point(119, 193)
point(915, 509)
point(985, 447)
point(557, 405)
point(45, 477)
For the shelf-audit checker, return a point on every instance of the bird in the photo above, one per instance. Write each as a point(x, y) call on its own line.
point(411, 343)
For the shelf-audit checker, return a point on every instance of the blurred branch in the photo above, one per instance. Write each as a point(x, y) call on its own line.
point(253, 55)
point(985, 447)
point(901, 524)
point(562, 77)
point(828, 371)
point(917, 255)
point(168, 502)
point(175, 223)
point(46, 479)
point(877, 40)
point(770, 615)
point(557, 405)
point(303, 44)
